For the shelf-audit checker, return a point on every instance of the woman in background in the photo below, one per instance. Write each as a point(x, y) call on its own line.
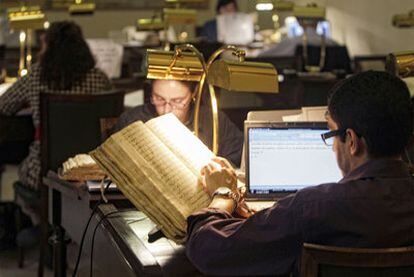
point(177, 97)
point(66, 66)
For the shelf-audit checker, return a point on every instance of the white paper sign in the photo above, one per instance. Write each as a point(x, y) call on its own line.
point(108, 56)
point(237, 28)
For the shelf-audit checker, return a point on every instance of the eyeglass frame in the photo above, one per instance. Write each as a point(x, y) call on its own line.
point(333, 133)
point(173, 105)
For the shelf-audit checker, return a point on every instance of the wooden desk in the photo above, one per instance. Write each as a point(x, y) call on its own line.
point(121, 245)
point(135, 256)
point(70, 205)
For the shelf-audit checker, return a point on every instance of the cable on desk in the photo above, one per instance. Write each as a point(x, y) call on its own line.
point(96, 228)
point(95, 208)
point(136, 220)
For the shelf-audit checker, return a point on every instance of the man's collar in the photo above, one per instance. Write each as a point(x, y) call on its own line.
point(379, 168)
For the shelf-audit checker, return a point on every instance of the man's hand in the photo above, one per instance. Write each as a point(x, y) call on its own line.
point(219, 173)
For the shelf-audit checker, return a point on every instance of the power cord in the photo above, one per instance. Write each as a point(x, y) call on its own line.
point(95, 208)
point(96, 228)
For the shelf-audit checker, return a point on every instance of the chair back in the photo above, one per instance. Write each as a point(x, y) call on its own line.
point(337, 58)
point(71, 124)
point(330, 261)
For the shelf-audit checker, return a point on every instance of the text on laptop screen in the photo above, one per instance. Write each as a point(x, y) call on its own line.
point(289, 159)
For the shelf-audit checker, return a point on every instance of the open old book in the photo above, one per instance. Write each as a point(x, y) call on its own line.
point(157, 167)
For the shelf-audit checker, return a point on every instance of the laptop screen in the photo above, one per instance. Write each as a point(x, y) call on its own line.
point(286, 159)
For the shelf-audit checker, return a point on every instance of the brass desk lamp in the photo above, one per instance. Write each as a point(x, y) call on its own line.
point(403, 20)
point(26, 19)
point(169, 17)
point(150, 24)
point(175, 12)
point(278, 5)
point(186, 63)
point(401, 64)
point(282, 5)
point(311, 14)
point(79, 7)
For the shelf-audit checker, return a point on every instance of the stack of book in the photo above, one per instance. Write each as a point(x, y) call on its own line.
point(81, 168)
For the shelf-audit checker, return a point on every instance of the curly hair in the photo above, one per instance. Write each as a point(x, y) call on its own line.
point(67, 57)
point(377, 106)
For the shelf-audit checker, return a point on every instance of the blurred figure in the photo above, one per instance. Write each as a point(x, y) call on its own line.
point(287, 46)
point(210, 27)
point(66, 66)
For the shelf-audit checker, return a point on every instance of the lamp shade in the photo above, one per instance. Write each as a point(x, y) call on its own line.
point(150, 24)
point(401, 64)
point(26, 17)
point(161, 65)
point(180, 16)
point(284, 5)
point(82, 9)
point(403, 20)
point(309, 12)
point(243, 76)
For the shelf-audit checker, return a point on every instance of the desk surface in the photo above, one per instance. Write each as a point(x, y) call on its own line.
point(129, 230)
point(122, 243)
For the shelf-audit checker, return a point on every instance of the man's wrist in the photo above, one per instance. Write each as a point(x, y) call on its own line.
point(223, 204)
point(227, 193)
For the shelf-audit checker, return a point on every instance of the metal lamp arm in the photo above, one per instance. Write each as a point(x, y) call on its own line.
point(213, 100)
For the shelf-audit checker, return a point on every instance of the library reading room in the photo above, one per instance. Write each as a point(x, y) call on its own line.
point(206, 138)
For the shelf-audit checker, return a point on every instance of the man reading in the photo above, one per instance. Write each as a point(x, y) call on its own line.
point(371, 123)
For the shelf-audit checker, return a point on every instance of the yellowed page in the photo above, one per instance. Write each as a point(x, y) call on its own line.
point(152, 176)
point(127, 181)
point(181, 141)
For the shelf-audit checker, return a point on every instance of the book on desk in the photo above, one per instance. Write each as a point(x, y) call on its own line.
point(157, 167)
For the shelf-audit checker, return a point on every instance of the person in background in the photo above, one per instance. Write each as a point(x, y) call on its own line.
point(370, 119)
point(209, 30)
point(287, 46)
point(177, 97)
point(65, 66)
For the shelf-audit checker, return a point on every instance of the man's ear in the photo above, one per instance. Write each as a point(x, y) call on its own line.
point(356, 144)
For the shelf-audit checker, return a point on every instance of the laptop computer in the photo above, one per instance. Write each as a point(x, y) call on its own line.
point(283, 157)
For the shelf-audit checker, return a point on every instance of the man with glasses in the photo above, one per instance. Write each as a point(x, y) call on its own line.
point(371, 123)
point(170, 96)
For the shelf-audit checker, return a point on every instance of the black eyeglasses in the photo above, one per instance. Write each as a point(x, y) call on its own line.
point(328, 138)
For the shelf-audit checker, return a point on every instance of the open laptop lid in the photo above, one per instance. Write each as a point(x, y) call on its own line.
point(283, 157)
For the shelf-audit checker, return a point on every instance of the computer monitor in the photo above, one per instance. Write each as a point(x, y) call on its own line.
point(295, 30)
point(285, 157)
point(237, 28)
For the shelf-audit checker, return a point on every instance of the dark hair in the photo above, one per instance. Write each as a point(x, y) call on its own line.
point(67, 57)
point(222, 3)
point(190, 85)
point(377, 106)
